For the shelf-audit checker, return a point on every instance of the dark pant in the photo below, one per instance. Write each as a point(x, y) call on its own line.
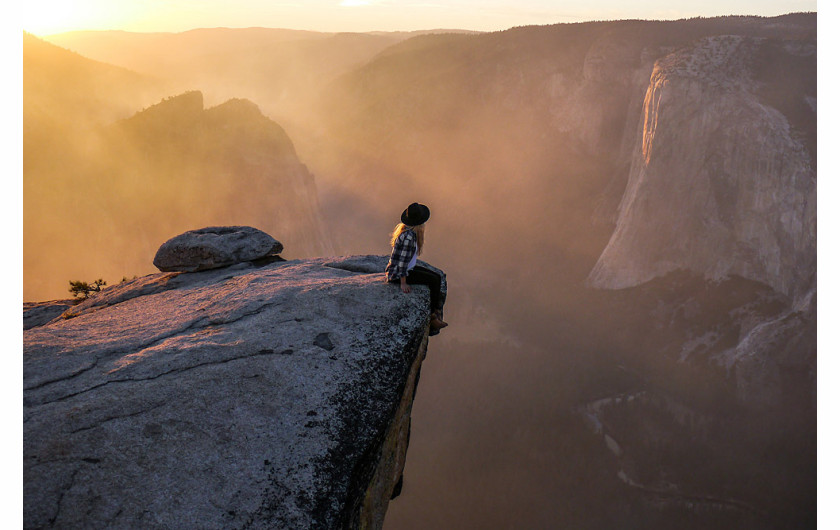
point(423, 276)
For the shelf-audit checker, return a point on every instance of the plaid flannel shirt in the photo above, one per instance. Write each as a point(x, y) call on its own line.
point(404, 248)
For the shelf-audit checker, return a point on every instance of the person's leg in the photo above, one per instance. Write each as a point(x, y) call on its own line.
point(423, 276)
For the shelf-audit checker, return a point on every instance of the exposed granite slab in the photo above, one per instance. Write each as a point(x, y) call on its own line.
point(210, 400)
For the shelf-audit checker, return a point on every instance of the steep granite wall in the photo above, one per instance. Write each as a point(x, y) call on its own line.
point(720, 182)
point(275, 396)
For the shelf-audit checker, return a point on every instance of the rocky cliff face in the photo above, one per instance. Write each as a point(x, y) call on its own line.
point(127, 186)
point(218, 165)
point(720, 184)
point(723, 184)
point(274, 396)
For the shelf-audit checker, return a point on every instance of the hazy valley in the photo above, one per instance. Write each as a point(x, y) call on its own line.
point(626, 212)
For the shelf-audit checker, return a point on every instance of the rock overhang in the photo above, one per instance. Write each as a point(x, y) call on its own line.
point(215, 395)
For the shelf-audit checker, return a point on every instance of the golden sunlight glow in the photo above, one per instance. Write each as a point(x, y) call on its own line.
point(44, 17)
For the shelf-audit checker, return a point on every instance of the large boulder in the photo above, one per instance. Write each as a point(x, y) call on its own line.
point(255, 396)
point(215, 247)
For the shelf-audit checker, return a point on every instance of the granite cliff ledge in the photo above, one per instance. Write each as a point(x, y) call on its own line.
point(252, 396)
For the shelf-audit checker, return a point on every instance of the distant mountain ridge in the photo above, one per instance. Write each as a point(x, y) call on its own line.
point(83, 81)
point(64, 92)
point(278, 68)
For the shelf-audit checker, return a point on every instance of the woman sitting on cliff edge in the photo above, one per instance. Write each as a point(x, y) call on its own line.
point(406, 245)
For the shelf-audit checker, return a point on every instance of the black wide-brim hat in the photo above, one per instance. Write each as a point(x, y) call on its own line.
point(416, 214)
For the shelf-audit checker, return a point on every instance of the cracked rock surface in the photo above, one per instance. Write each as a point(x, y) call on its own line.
point(243, 397)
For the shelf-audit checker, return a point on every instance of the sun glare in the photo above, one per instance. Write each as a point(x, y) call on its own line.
point(44, 17)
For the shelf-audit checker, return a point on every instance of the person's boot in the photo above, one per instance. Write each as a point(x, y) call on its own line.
point(436, 324)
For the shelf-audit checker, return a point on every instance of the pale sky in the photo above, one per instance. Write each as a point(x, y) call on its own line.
point(45, 17)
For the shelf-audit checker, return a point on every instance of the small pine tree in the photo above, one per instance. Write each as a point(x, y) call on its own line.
point(83, 289)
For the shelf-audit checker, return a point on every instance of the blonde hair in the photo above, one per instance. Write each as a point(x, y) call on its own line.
point(419, 230)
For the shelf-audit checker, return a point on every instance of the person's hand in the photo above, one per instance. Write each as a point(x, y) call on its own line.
point(404, 285)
